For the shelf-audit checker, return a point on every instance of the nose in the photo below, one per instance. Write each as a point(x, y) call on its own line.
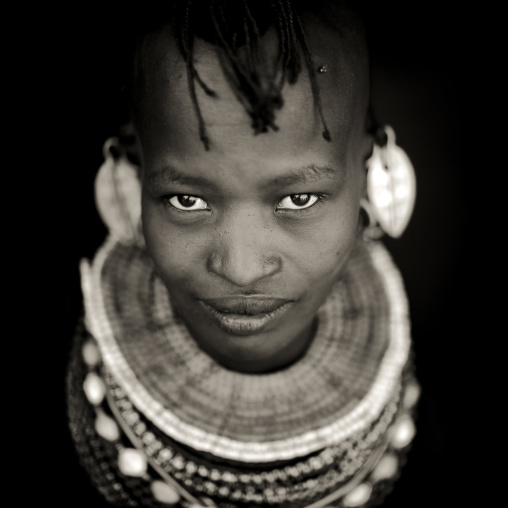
point(243, 251)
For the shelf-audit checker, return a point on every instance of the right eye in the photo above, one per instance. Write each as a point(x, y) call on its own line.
point(187, 203)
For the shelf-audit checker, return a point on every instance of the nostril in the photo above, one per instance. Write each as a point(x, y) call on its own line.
point(214, 263)
point(243, 267)
point(273, 265)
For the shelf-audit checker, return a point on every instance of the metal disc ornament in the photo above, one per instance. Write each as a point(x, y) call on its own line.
point(391, 186)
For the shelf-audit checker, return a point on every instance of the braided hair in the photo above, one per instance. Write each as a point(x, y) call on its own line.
point(235, 28)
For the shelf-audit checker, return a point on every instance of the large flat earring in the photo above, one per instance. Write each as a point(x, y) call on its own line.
point(391, 186)
point(118, 194)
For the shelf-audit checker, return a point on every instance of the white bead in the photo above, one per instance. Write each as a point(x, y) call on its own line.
point(358, 496)
point(404, 432)
point(132, 462)
point(412, 395)
point(106, 427)
point(386, 468)
point(94, 388)
point(164, 492)
point(91, 353)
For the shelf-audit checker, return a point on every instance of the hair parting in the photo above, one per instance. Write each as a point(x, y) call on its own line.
point(313, 79)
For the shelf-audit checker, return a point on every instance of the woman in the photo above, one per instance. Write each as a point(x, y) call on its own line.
point(246, 337)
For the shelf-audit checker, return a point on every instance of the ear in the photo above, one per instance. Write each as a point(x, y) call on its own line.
point(118, 194)
point(129, 140)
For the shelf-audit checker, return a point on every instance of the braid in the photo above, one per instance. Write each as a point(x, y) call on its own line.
point(191, 74)
point(235, 28)
point(282, 58)
point(294, 65)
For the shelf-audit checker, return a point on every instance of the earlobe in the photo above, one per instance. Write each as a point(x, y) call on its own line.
point(371, 229)
point(118, 194)
point(391, 188)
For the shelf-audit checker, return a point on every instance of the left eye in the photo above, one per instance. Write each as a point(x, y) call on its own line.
point(187, 203)
point(297, 201)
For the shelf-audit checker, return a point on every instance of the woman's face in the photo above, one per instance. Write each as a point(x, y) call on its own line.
point(250, 236)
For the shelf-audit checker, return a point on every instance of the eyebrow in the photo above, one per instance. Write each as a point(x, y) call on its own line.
point(310, 173)
point(307, 174)
point(169, 174)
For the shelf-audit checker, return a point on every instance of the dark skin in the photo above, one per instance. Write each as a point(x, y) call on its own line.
point(268, 216)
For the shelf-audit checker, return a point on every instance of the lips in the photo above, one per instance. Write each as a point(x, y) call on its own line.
point(245, 305)
point(245, 315)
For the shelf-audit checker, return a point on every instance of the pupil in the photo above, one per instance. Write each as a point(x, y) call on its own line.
point(187, 201)
point(300, 199)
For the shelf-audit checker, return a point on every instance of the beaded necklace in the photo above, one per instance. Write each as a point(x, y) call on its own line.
point(345, 459)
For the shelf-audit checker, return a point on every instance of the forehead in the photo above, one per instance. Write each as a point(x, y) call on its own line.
point(166, 116)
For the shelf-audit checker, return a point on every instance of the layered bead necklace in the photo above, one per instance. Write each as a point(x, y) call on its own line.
point(195, 434)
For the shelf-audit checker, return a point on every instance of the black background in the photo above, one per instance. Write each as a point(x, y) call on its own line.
point(420, 85)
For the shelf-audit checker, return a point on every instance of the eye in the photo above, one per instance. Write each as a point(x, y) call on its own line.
point(187, 203)
point(297, 201)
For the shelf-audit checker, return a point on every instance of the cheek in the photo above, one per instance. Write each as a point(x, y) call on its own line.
point(175, 254)
point(329, 241)
point(330, 249)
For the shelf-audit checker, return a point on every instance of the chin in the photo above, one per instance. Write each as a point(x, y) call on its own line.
point(253, 343)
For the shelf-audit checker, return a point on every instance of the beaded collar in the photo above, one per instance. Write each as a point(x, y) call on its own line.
point(329, 413)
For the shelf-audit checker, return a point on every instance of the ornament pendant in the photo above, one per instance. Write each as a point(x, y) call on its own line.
point(391, 186)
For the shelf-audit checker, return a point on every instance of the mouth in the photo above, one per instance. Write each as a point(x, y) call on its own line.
point(245, 316)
